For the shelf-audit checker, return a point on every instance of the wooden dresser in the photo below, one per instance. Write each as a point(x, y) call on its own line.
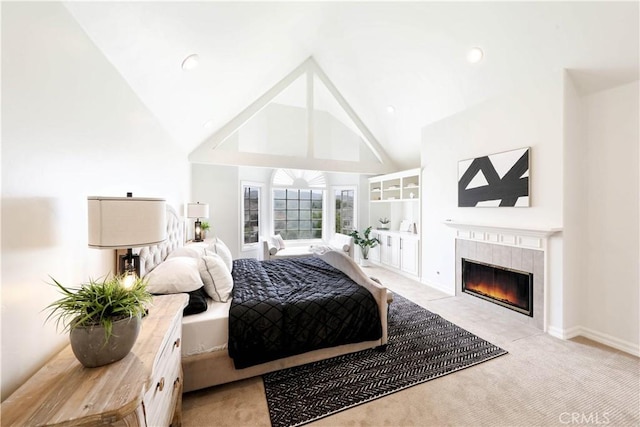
point(143, 389)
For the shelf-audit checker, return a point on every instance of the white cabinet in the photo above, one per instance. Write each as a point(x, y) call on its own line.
point(398, 251)
point(374, 253)
point(394, 213)
point(390, 249)
point(409, 253)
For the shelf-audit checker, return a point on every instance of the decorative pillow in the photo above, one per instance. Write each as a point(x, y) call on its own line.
point(320, 249)
point(272, 249)
point(188, 251)
point(197, 302)
point(173, 276)
point(278, 242)
point(217, 279)
point(338, 242)
point(220, 249)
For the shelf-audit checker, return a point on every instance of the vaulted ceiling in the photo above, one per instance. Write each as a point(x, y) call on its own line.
point(411, 56)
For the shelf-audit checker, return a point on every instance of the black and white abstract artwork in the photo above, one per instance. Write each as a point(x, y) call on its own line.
point(500, 179)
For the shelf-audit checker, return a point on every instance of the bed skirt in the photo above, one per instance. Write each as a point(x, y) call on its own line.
point(214, 368)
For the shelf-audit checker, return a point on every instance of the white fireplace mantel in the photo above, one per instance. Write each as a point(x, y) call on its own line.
point(529, 237)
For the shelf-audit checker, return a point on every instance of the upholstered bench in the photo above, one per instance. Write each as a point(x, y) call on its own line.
point(272, 247)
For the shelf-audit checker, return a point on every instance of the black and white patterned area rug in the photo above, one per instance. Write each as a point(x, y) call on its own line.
point(422, 346)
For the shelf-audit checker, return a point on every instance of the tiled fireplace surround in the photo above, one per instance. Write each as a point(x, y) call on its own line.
point(518, 248)
point(518, 258)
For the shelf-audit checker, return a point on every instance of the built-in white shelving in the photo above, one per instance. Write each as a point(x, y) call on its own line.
point(396, 197)
point(398, 186)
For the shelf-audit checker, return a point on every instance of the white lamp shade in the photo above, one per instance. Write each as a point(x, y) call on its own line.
point(197, 210)
point(126, 222)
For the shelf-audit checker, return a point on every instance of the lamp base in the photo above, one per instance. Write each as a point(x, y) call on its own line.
point(198, 231)
point(124, 261)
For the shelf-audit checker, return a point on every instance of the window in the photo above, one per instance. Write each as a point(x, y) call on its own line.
point(251, 214)
point(345, 210)
point(297, 213)
point(298, 203)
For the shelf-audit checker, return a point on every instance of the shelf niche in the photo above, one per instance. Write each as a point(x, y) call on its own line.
point(400, 186)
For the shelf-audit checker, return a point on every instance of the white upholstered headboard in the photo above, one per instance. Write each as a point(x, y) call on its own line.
point(151, 256)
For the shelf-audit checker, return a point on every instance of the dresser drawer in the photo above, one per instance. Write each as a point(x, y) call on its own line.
point(160, 400)
point(166, 384)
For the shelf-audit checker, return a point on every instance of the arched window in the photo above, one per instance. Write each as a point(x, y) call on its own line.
point(299, 178)
point(298, 203)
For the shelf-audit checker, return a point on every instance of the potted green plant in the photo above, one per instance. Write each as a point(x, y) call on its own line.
point(103, 317)
point(204, 226)
point(365, 242)
point(384, 223)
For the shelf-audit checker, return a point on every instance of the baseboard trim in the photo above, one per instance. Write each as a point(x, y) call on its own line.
point(602, 338)
point(556, 332)
point(564, 334)
point(441, 288)
point(611, 341)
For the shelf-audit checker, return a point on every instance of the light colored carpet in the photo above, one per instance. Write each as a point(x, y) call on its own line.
point(544, 381)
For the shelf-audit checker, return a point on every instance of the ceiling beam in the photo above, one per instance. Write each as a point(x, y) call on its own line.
point(234, 158)
point(208, 151)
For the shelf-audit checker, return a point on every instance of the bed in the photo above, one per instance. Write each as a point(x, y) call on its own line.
point(206, 342)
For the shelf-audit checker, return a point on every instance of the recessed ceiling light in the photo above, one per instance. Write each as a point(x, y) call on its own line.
point(190, 62)
point(208, 124)
point(475, 55)
point(391, 109)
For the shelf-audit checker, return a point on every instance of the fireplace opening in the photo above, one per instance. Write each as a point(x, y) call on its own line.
point(504, 286)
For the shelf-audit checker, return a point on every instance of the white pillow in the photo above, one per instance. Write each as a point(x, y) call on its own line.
point(220, 249)
point(278, 241)
point(217, 279)
point(337, 242)
point(319, 249)
point(188, 251)
point(272, 249)
point(175, 275)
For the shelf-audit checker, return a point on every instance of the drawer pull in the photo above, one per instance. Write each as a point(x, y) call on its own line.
point(176, 383)
point(176, 343)
point(160, 385)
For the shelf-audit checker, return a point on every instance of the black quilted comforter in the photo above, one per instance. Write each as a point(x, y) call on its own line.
point(291, 306)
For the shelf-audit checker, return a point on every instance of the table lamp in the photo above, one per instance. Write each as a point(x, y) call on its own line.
point(126, 223)
point(197, 210)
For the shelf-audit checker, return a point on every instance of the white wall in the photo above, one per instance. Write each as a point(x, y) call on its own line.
point(71, 128)
point(276, 129)
point(364, 207)
point(584, 172)
point(530, 117)
point(575, 230)
point(219, 187)
point(611, 255)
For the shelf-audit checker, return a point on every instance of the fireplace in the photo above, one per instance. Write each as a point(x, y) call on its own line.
point(504, 286)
